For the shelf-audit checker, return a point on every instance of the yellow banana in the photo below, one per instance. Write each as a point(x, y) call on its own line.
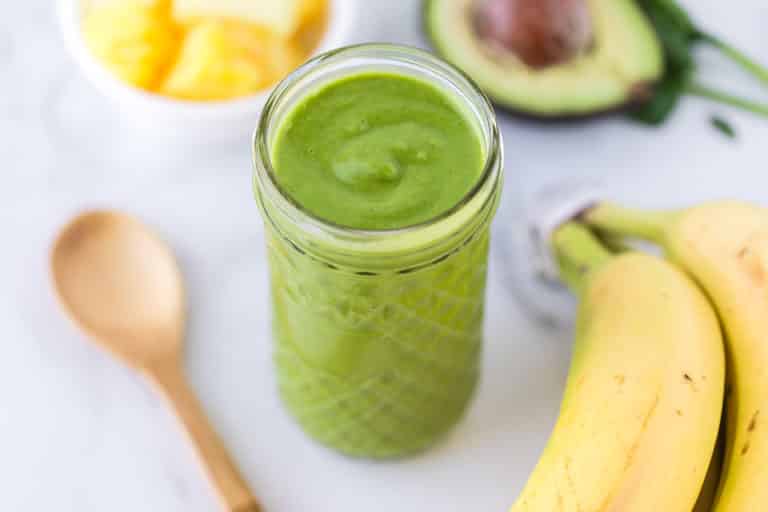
point(640, 414)
point(709, 489)
point(723, 245)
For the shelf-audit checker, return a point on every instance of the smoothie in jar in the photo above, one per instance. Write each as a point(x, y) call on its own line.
point(377, 183)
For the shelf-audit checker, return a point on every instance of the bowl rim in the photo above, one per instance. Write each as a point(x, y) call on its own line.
point(69, 14)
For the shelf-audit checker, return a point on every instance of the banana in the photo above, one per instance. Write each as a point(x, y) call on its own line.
point(709, 489)
point(640, 414)
point(723, 245)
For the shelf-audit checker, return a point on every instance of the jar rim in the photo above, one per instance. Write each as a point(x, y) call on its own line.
point(265, 171)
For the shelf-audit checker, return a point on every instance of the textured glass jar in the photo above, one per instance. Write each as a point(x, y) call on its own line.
point(378, 334)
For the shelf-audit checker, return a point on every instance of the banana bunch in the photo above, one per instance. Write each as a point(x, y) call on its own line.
point(724, 247)
point(640, 415)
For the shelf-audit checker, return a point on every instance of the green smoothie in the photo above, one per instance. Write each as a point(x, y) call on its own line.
point(377, 151)
point(377, 363)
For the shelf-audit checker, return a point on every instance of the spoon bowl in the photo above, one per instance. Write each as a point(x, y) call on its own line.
point(121, 284)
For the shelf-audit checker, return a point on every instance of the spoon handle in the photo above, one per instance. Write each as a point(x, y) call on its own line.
point(219, 465)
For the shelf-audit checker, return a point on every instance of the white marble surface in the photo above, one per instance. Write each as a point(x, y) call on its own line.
point(80, 433)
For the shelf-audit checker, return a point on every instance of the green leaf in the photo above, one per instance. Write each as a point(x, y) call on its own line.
point(723, 126)
point(666, 96)
point(675, 30)
point(678, 35)
point(672, 14)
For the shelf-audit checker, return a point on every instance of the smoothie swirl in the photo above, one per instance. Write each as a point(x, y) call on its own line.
point(377, 151)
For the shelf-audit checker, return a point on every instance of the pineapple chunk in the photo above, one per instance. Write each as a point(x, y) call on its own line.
point(135, 39)
point(280, 16)
point(313, 18)
point(222, 59)
point(311, 10)
point(95, 4)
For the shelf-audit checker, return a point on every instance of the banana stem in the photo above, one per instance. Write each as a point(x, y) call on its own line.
point(578, 253)
point(617, 220)
point(613, 242)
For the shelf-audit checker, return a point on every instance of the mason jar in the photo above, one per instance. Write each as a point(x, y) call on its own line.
point(377, 333)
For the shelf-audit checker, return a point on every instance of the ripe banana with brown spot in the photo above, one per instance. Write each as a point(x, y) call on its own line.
point(723, 245)
point(641, 409)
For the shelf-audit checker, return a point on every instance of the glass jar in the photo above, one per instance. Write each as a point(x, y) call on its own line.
point(378, 333)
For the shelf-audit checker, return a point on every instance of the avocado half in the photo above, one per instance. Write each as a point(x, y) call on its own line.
point(618, 68)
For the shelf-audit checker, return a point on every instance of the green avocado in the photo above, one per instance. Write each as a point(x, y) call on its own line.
point(615, 67)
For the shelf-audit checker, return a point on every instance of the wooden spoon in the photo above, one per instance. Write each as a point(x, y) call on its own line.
point(121, 285)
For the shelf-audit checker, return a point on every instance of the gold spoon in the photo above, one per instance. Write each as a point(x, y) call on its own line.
point(121, 285)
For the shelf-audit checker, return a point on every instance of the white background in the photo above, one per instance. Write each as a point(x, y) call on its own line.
point(80, 433)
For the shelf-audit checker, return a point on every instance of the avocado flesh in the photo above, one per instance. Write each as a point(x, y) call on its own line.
point(624, 58)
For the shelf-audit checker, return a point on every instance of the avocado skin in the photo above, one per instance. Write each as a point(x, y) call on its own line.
point(644, 90)
point(606, 113)
point(627, 107)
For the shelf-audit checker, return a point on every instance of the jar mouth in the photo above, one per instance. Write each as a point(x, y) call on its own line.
point(265, 172)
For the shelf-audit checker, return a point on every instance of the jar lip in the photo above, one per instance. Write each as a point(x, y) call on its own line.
point(263, 160)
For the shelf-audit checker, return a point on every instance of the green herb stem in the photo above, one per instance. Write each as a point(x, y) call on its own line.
point(739, 57)
point(760, 109)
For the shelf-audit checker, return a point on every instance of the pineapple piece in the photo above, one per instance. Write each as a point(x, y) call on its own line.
point(313, 21)
point(281, 16)
point(95, 4)
point(136, 39)
point(224, 59)
point(312, 10)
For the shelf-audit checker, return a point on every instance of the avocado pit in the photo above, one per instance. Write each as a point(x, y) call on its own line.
point(541, 33)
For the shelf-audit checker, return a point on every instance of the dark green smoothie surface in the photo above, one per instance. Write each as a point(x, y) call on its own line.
point(377, 151)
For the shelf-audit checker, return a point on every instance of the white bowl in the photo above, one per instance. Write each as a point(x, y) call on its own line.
point(188, 121)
